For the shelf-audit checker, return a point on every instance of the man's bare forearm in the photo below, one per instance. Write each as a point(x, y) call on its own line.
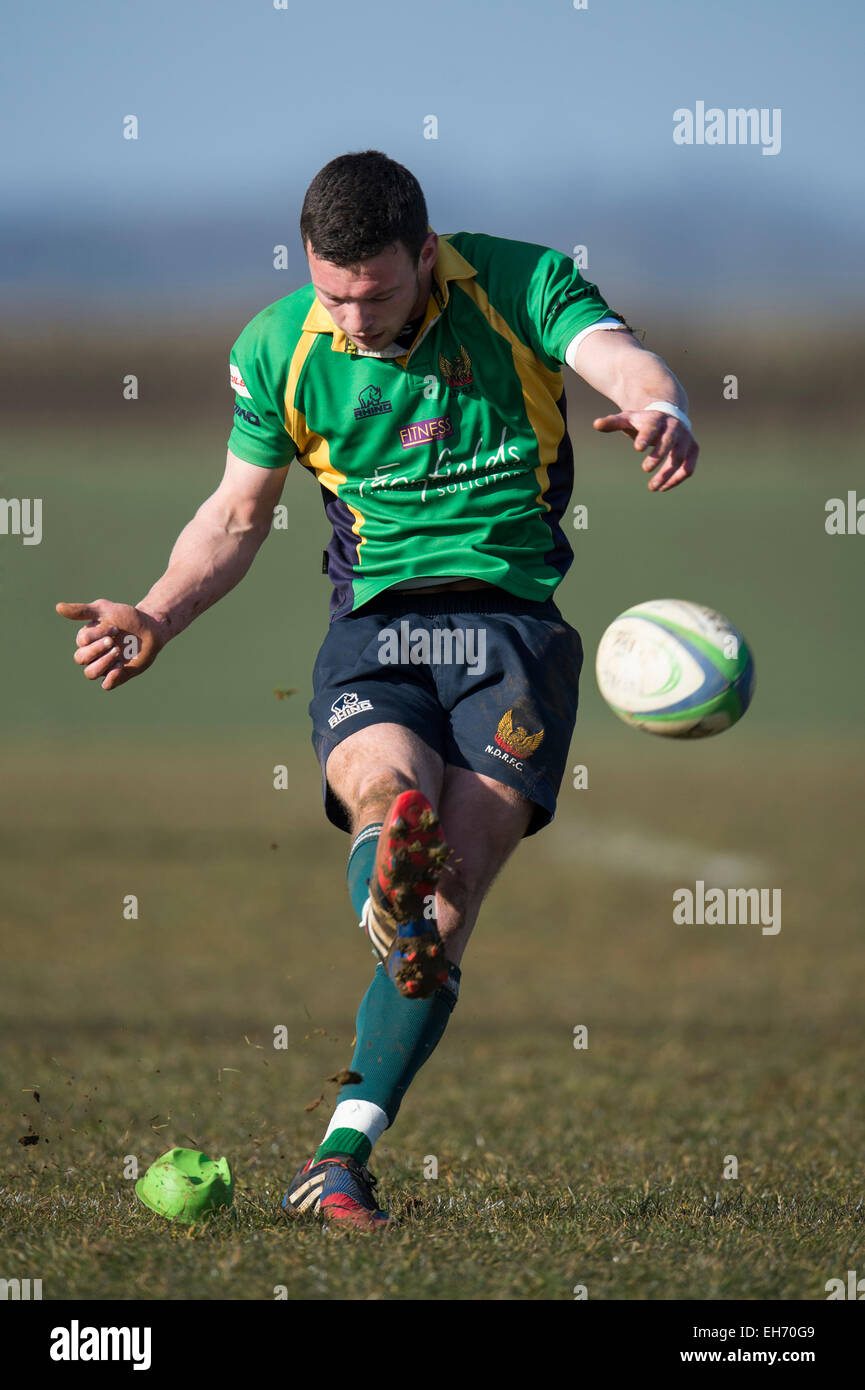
point(614, 363)
point(210, 556)
point(649, 380)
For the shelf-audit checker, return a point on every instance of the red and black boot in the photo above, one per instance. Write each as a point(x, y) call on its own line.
point(399, 915)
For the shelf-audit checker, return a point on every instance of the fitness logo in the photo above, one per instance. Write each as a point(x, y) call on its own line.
point(514, 740)
point(248, 415)
point(424, 431)
point(371, 403)
point(459, 372)
point(345, 705)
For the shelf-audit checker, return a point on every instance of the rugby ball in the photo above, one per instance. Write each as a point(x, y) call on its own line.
point(675, 668)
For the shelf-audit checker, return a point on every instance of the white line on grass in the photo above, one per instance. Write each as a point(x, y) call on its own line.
point(641, 853)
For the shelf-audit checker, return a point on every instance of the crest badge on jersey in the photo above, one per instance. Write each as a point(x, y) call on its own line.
point(459, 372)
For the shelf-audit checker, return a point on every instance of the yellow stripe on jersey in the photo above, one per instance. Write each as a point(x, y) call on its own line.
point(541, 386)
point(312, 448)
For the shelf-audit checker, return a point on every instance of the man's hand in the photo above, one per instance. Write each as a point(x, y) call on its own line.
point(117, 643)
point(614, 363)
point(672, 444)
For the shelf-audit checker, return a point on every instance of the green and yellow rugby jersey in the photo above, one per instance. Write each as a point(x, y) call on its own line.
point(451, 458)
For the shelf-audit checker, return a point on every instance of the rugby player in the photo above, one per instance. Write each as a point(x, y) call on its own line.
point(419, 379)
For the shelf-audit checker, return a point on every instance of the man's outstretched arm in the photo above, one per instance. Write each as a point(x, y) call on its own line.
point(614, 363)
point(210, 556)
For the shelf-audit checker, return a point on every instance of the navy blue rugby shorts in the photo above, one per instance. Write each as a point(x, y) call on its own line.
point(488, 680)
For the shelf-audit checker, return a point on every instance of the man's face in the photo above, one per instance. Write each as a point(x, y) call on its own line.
point(371, 302)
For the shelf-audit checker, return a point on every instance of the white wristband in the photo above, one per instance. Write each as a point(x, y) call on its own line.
point(669, 409)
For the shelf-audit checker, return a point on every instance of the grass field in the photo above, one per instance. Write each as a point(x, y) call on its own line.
point(556, 1167)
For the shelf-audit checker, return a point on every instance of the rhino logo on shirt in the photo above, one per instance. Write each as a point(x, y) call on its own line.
point(371, 403)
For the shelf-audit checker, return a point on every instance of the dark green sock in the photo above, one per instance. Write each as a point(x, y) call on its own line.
point(361, 858)
point(395, 1036)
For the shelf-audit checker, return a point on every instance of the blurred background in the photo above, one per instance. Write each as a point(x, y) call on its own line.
point(147, 257)
point(554, 125)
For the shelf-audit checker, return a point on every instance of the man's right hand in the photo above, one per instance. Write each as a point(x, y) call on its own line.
point(117, 642)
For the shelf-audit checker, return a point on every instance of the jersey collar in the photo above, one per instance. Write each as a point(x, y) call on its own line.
point(449, 265)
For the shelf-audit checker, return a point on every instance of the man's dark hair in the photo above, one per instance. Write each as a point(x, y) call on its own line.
point(358, 205)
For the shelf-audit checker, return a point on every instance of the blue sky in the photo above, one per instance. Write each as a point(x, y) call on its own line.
point(554, 124)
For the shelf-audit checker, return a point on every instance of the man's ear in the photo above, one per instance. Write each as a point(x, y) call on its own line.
point(429, 251)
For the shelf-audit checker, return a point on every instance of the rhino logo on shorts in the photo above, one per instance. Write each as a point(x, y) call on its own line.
point(345, 705)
